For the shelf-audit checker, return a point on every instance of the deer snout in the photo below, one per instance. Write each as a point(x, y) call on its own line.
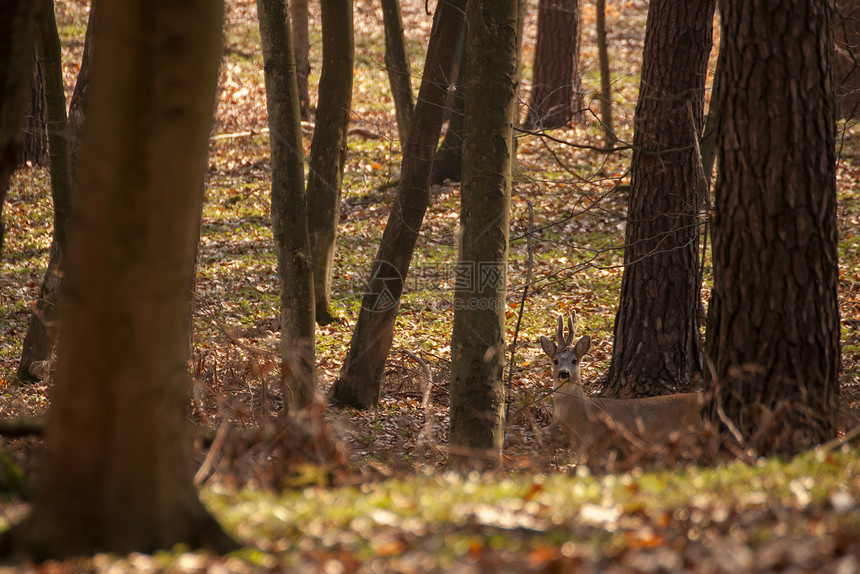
point(564, 374)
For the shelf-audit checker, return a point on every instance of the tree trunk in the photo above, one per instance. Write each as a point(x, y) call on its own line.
point(302, 48)
point(658, 346)
point(397, 66)
point(556, 96)
point(116, 472)
point(41, 333)
point(448, 162)
point(773, 323)
point(847, 63)
point(35, 148)
point(81, 93)
point(478, 338)
point(16, 59)
point(361, 376)
point(289, 204)
point(708, 142)
point(605, 79)
point(328, 148)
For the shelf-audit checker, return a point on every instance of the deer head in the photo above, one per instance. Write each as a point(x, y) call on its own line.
point(564, 354)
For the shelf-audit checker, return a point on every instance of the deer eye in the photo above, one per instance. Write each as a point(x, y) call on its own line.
point(555, 361)
point(573, 361)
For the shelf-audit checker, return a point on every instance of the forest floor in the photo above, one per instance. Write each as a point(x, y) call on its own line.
point(367, 490)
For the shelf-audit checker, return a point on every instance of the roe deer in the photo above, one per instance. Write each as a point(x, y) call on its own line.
point(586, 418)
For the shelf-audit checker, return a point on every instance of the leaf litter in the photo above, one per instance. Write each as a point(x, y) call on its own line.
point(367, 491)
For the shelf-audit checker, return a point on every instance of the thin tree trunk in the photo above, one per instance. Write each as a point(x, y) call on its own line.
point(478, 338)
point(773, 322)
point(708, 143)
point(397, 66)
point(556, 96)
point(302, 47)
point(328, 148)
point(81, 94)
point(658, 346)
point(289, 204)
point(605, 79)
point(448, 162)
point(35, 148)
point(361, 376)
point(41, 334)
point(846, 66)
point(17, 37)
point(116, 472)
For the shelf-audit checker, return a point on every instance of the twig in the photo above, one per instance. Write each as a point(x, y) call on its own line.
point(235, 340)
point(206, 468)
point(522, 301)
point(542, 134)
point(704, 191)
point(837, 443)
point(306, 126)
point(747, 452)
point(424, 435)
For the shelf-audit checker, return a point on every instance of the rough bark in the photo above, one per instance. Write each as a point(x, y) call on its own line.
point(658, 346)
point(17, 36)
point(773, 323)
point(556, 96)
point(397, 66)
point(478, 338)
point(605, 80)
point(361, 376)
point(289, 204)
point(116, 470)
point(41, 333)
point(328, 148)
point(301, 47)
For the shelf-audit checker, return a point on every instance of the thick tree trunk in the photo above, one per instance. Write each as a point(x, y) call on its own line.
point(41, 333)
point(556, 96)
point(478, 338)
point(328, 148)
point(17, 36)
point(361, 376)
point(397, 66)
point(302, 48)
point(116, 471)
point(658, 347)
point(289, 204)
point(773, 323)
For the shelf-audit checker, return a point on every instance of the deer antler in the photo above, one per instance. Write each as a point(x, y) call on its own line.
point(571, 328)
point(563, 340)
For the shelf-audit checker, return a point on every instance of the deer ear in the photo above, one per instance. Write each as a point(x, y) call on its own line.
point(548, 346)
point(582, 346)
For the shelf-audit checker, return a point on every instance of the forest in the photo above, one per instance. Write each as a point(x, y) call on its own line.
point(429, 286)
